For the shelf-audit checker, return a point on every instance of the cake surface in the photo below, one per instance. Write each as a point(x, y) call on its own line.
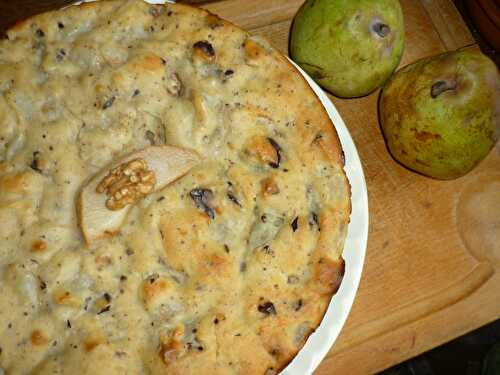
point(228, 266)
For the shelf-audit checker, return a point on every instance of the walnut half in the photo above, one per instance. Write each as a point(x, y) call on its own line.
point(105, 200)
point(127, 183)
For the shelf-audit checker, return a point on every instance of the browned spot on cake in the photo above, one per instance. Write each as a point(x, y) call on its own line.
point(153, 287)
point(64, 297)
point(150, 62)
point(38, 246)
point(252, 50)
point(269, 186)
point(37, 338)
point(329, 275)
point(91, 344)
point(170, 350)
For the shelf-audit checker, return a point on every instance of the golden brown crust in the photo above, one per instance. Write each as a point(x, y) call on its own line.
point(227, 270)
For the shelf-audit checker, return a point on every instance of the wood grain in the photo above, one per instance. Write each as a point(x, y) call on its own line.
point(428, 276)
point(444, 17)
point(255, 14)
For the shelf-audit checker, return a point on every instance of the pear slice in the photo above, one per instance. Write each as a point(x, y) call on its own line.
point(164, 163)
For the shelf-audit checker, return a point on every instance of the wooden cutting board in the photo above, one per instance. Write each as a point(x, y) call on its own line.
point(432, 269)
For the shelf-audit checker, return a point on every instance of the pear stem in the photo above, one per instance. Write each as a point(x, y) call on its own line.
point(441, 86)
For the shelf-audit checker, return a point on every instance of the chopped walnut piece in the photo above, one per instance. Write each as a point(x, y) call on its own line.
point(127, 183)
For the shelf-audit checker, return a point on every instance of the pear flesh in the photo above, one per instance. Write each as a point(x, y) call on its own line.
point(441, 115)
point(349, 48)
point(96, 220)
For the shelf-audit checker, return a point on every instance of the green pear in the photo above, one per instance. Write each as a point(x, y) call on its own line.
point(441, 115)
point(349, 47)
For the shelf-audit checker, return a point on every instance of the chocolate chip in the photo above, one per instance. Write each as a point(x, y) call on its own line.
point(68, 323)
point(136, 92)
point(35, 163)
point(229, 72)
point(298, 305)
point(226, 248)
point(61, 53)
point(123, 278)
point(39, 33)
point(105, 309)
point(202, 199)
point(314, 221)
point(60, 25)
point(267, 308)
point(108, 103)
point(277, 148)
point(129, 251)
point(233, 199)
point(318, 137)
point(267, 250)
point(107, 297)
point(295, 224)
point(205, 47)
